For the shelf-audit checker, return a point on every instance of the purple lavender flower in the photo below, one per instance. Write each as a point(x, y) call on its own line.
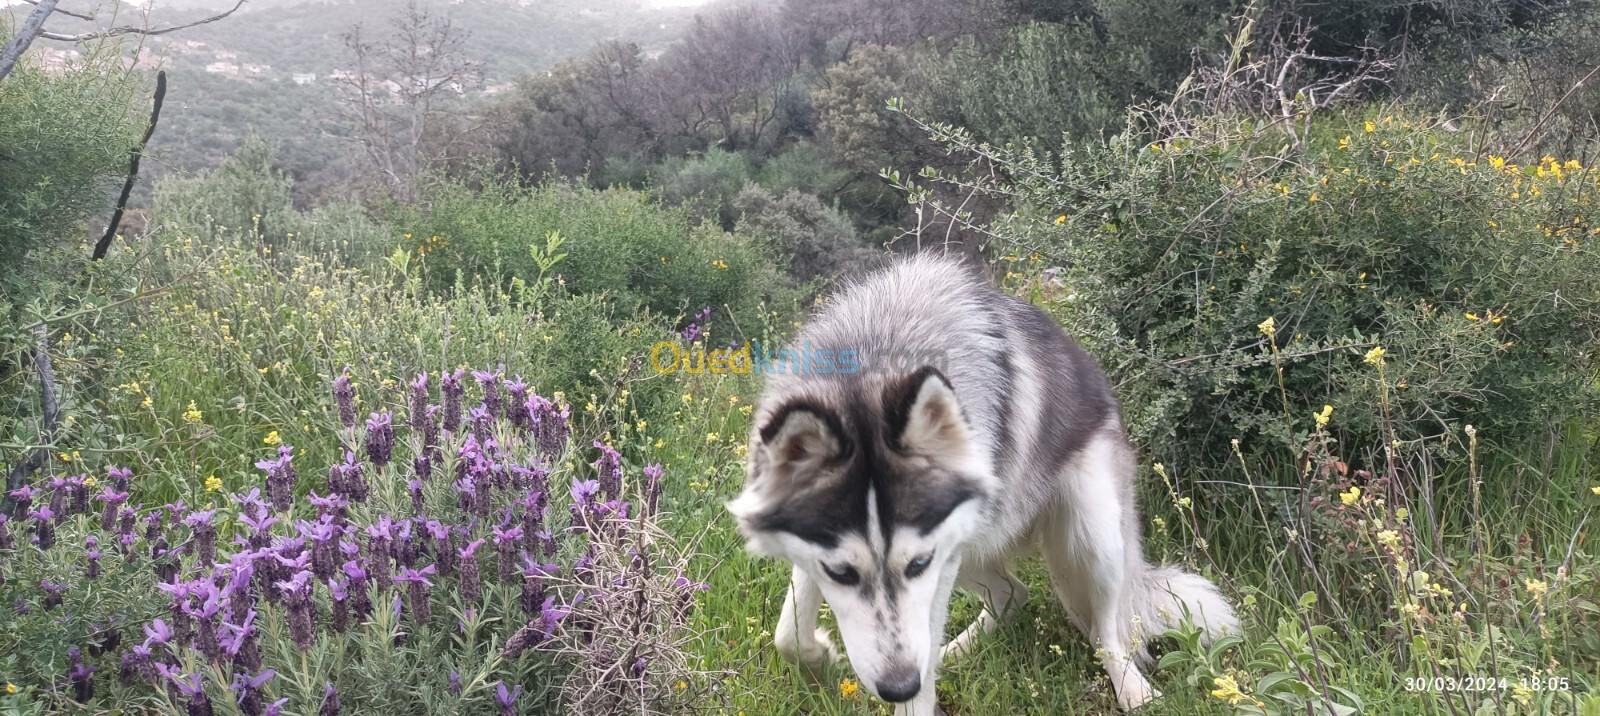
point(417, 583)
point(330, 701)
point(549, 427)
point(517, 404)
point(691, 332)
point(455, 682)
point(247, 690)
point(345, 397)
point(119, 477)
point(53, 592)
point(23, 497)
point(324, 538)
point(203, 544)
point(380, 438)
point(506, 541)
point(302, 613)
point(356, 587)
point(443, 545)
point(482, 423)
point(419, 402)
point(534, 589)
point(471, 582)
point(44, 526)
point(450, 387)
point(112, 500)
point(93, 554)
point(275, 708)
point(539, 630)
point(414, 488)
point(652, 491)
point(507, 699)
point(490, 383)
point(190, 686)
point(280, 478)
point(346, 479)
point(380, 535)
point(609, 468)
point(79, 675)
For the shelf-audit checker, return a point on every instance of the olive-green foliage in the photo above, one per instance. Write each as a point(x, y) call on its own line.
point(1036, 82)
point(1473, 273)
point(816, 241)
point(63, 143)
point(617, 242)
point(706, 184)
point(249, 195)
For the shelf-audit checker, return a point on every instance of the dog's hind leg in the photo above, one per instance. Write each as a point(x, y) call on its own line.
point(1000, 593)
point(798, 637)
point(1086, 545)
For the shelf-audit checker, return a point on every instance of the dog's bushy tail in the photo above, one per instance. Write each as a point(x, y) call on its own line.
point(1165, 595)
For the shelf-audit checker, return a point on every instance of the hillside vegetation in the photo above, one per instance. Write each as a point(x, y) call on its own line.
point(392, 438)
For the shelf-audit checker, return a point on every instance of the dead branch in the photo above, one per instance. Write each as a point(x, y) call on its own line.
point(30, 28)
point(132, 30)
point(61, 11)
point(51, 419)
point(104, 245)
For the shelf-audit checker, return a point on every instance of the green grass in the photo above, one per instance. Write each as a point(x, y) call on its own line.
point(1038, 663)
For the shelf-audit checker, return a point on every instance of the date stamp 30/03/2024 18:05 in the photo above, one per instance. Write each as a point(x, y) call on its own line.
point(1486, 683)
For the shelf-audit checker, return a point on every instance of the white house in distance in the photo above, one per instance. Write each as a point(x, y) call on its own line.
point(304, 78)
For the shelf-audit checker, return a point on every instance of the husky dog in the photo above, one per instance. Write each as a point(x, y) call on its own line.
point(888, 485)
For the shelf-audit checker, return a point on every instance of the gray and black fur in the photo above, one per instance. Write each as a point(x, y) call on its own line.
point(974, 430)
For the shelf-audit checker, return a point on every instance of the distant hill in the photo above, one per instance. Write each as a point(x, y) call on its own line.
point(266, 68)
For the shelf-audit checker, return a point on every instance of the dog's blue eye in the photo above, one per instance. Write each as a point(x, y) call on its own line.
point(846, 575)
point(918, 566)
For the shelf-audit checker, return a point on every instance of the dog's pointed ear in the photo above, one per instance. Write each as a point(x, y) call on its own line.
point(924, 416)
point(800, 436)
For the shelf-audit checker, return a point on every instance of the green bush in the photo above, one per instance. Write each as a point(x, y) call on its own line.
point(617, 242)
point(63, 145)
point(1473, 273)
point(706, 184)
point(816, 241)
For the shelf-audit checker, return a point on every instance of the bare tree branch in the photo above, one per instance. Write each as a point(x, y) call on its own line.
point(30, 28)
point(131, 30)
point(104, 244)
point(34, 459)
point(61, 11)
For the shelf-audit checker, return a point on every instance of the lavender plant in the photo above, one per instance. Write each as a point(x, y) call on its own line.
point(370, 589)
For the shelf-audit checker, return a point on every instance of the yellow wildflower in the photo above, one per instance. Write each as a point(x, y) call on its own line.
point(1595, 490)
point(1324, 416)
point(213, 484)
point(1350, 497)
point(1536, 587)
point(1344, 142)
point(1375, 356)
point(1061, 219)
point(193, 414)
point(1227, 688)
point(1401, 513)
point(1314, 198)
point(848, 688)
point(271, 438)
point(720, 265)
point(11, 688)
point(1497, 161)
point(1185, 503)
point(1268, 328)
point(713, 438)
point(1470, 316)
point(1370, 127)
point(1390, 539)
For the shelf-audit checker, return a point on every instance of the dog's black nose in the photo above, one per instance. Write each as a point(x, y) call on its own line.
point(900, 686)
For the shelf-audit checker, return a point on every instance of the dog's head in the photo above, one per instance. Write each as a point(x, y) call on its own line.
point(872, 491)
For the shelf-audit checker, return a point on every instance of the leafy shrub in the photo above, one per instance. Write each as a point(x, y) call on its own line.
point(66, 139)
point(817, 242)
point(803, 167)
point(617, 242)
point(705, 185)
point(1234, 290)
point(446, 569)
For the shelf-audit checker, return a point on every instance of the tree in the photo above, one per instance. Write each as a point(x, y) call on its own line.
point(401, 92)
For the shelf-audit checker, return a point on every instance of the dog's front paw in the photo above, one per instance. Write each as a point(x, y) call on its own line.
point(813, 651)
